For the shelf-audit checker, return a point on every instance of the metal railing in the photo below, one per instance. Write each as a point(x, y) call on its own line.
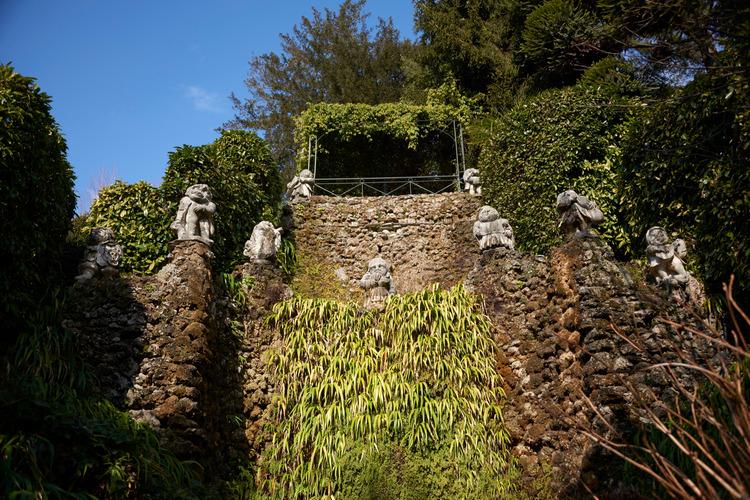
point(385, 186)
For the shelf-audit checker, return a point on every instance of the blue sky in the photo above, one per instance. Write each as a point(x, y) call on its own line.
point(133, 79)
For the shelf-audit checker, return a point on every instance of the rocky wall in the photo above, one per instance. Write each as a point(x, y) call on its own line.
point(555, 326)
point(426, 238)
point(151, 343)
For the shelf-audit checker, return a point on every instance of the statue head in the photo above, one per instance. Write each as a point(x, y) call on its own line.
point(658, 236)
point(378, 264)
point(199, 193)
point(306, 175)
point(488, 214)
point(469, 173)
point(101, 236)
point(566, 199)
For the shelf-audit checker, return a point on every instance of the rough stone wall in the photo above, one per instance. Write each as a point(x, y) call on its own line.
point(553, 323)
point(426, 238)
point(151, 340)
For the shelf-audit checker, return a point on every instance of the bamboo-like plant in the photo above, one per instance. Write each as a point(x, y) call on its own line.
point(419, 375)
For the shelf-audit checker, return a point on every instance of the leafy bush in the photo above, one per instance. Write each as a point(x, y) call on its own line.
point(140, 218)
point(418, 379)
point(38, 199)
point(560, 139)
point(244, 182)
point(684, 167)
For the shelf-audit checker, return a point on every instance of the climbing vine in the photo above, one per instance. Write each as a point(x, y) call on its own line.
point(419, 378)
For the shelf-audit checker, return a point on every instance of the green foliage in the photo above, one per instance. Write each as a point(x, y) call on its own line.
point(244, 182)
point(286, 258)
point(140, 218)
point(685, 168)
point(613, 76)
point(58, 438)
point(331, 56)
point(558, 140)
point(472, 41)
point(32, 157)
point(418, 379)
point(245, 186)
point(560, 39)
point(422, 132)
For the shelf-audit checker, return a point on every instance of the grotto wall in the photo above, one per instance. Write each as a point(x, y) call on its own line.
point(554, 324)
point(426, 238)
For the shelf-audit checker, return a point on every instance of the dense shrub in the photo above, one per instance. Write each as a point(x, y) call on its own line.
point(38, 200)
point(403, 403)
point(685, 167)
point(560, 139)
point(140, 218)
point(244, 182)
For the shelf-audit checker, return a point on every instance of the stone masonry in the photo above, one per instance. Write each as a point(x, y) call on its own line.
point(426, 238)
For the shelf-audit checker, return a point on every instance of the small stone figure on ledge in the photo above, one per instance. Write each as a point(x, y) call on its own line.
point(492, 231)
point(301, 187)
point(102, 255)
point(377, 283)
point(578, 214)
point(472, 182)
point(194, 220)
point(665, 258)
point(263, 243)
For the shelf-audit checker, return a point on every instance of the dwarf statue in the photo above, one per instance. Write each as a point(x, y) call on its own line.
point(195, 215)
point(665, 258)
point(102, 255)
point(264, 242)
point(492, 231)
point(578, 214)
point(472, 182)
point(301, 187)
point(377, 283)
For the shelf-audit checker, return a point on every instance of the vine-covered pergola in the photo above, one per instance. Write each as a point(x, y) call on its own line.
point(324, 127)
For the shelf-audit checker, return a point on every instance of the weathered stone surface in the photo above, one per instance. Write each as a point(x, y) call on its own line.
point(300, 188)
point(426, 238)
point(264, 242)
point(665, 258)
point(578, 214)
point(102, 255)
point(377, 283)
point(472, 181)
point(553, 323)
point(492, 231)
point(194, 219)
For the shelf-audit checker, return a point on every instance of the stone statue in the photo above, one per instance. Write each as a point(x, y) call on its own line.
point(264, 242)
point(492, 231)
point(102, 255)
point(665, 258)
point(472, 182)
point(301, 187)
point(578, 214)
point(194, 220)
point(377, 283)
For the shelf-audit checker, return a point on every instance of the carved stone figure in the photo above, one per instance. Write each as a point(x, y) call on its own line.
point(377, 283)
point(264, 242)
point(301, 187)
point(578, 214)
point(665, 258)
point(472, 182)
point(102, 255)
point(194, 220)
point(492, 231)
